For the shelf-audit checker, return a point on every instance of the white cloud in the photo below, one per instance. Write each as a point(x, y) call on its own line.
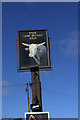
point(5, 82)
point(5, 91)
point(69, 45)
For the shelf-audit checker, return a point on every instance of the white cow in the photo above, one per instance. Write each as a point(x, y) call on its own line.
point(35, 50)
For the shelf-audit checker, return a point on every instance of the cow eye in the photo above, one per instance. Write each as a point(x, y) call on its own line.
point(38, 48)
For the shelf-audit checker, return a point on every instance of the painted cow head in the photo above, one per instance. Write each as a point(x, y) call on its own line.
point(34, 50)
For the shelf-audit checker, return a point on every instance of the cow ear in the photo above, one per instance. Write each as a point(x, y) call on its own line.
point(26, 49)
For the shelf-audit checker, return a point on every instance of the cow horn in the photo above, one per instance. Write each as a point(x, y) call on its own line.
point(26, 44)
point(41, 44)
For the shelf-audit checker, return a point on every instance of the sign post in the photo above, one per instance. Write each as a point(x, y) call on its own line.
point(36, 105)
point(27, 95)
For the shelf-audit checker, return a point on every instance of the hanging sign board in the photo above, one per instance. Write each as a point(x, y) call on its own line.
point(37, 116)
point(33, 49)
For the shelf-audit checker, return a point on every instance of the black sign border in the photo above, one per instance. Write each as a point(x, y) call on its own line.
point(21, 69)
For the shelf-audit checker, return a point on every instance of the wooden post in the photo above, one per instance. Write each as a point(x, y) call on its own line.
point(27, 95)
point(36, 89)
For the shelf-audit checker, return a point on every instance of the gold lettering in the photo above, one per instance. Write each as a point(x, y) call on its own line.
point(31, 38)
point(35, 38)
point(32, 32)
point(33, 35)
point(26, 36)
point(37, 35)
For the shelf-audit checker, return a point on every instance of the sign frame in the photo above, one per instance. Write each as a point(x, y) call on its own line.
point(38, 113)
point(48, 51)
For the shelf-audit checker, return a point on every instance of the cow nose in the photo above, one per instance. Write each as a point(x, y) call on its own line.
point(30, 55)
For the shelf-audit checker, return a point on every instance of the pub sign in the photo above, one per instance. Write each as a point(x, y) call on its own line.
point(37, 116)
point(33, 49)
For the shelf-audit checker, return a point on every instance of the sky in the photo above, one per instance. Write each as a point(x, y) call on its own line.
point(60, 85)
